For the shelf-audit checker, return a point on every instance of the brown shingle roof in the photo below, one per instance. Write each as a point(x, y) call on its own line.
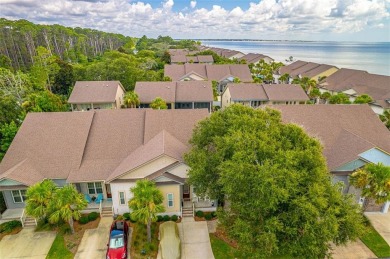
point(318, 70)
point(94, 92)
point(289, 68)
point(148, 91)
point(90, 146)
point(247, 92)
point(178, 59)
point(344, 130)
point(205, 58)
point(285, 92)
point(184, 91)
point(209, 72)
point(253, 57)
point(303, 69)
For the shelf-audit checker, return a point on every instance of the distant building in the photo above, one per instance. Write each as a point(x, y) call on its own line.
point(89, 95)
point(192, 59)
point(255, 58)
point(254, 95)
point(178, 95)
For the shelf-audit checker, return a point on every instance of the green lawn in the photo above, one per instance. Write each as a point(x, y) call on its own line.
point(222, 250)
point(58, 249)
point(376, 243)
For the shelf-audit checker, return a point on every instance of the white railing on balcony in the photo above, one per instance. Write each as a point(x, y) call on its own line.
point(100, 208)
point(23, 217)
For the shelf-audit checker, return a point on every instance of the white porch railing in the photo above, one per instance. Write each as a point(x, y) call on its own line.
point(23, 217)
point(193, 209)
point(181, 211)
point(100, 208)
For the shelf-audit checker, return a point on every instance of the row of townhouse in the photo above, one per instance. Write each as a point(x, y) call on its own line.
point(104, 152)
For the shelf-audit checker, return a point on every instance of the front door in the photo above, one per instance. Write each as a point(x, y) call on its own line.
point(186, 192)
point(108, 190)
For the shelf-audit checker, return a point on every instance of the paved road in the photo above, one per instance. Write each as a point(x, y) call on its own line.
point(94, 242)
point(27, 244)
point(381, 222)
point(195, 239)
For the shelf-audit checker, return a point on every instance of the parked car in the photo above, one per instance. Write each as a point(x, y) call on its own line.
point(117, 243)
point(170, 247)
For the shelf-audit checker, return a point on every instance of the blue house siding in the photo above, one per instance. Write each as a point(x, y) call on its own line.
point(9, 201)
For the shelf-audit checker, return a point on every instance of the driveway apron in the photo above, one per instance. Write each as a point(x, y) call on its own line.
point(195, 240)
point(27, 244)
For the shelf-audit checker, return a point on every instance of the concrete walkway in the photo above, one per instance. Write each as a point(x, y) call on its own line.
point(381, 222)
point(27, 244)
point(195, 240)
point(355, 250)
point(94, 242)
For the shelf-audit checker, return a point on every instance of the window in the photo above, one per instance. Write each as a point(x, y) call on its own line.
point(122, 198)
point(19, 196)
point(95, 188)
point(170, 199)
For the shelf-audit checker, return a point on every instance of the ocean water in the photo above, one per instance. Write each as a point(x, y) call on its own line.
point(371, 57)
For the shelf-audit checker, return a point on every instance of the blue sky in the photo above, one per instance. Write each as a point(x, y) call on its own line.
point(333, 20)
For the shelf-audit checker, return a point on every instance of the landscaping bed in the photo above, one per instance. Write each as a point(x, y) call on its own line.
point(10, 228)
point(203, 216)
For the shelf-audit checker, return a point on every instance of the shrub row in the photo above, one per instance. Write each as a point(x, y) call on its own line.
point(206, 215)
point(167, 218)
point(9, 226)
point(87, 218)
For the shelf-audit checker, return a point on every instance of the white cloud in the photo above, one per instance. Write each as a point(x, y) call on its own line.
point(282, 18)
point(193, 4)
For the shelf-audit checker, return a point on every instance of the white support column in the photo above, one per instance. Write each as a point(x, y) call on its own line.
point(385, 207)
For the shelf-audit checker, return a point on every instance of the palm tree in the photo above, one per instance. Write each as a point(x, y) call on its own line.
point(131, 99)
point(146, 203)
point(38, 198)
point(67, 204)
point(158, 104)
point(284, 78)
point(374, 180)
point(385, 118)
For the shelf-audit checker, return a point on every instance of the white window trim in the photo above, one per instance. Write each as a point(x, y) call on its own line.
point(21, 196)
point(173, 200)
point(94, 187)
point(124, 197)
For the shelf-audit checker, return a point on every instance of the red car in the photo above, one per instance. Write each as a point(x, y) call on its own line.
point(117, 245)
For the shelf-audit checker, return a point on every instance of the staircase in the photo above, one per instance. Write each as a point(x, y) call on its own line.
point(187, 212)
point(106, 212)
point(29, 222)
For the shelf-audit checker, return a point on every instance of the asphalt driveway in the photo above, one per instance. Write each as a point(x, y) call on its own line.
point(195, 240)
point(94, 242)
point(27, 244)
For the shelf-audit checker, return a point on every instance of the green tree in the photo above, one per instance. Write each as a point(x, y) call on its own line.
point(284, 78)
point(131, 99)
point(147, 201)
point(340, 98)
point(385, 118)
point(16, 84)
point(281, 198)
point(66, 205)
point(45, 68)
point(315, 93)
point(158, 104)
point(10, 110)
point(64, 79)
point(39, 197)
point(214, 85)
point(374, 180)
point(44, 101)
point(7, 132)
point(236, 80)
point(326, 96)
point(364, 98)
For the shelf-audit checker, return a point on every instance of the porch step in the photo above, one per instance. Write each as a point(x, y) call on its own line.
point(107, 212)
point(187, 212)
point(29, 222)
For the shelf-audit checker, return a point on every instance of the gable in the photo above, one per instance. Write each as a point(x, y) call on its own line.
point(9, 182)
point(351, 166)
point(375, 156)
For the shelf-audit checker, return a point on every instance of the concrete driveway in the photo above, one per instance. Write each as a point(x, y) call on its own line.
point(381, 222)
point(195, 240)
point(355, 250)
point(94, 242)
point(27, 244)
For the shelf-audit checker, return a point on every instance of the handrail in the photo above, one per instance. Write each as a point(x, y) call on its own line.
point(193, 209)
point(23, 217)
point(36, 224)
point(181, 211)
point(100, 208)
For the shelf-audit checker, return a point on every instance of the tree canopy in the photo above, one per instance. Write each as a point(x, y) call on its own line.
point(340, 98)
point(274, 177)
point(158, 104)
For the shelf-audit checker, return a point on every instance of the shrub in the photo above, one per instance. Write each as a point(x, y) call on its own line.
point(166, 218)
point(214, 214)
point(83, 220)
point(208, 216)
point(126, 216)
point(92, 216)
point(9, 226)
point(199, 214)
point(120, 217)
point(160, 218)
point(174, 218)
point(65, 229)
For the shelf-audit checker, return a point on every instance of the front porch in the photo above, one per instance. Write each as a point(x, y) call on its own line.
point(96, 207)
point(11, 214)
